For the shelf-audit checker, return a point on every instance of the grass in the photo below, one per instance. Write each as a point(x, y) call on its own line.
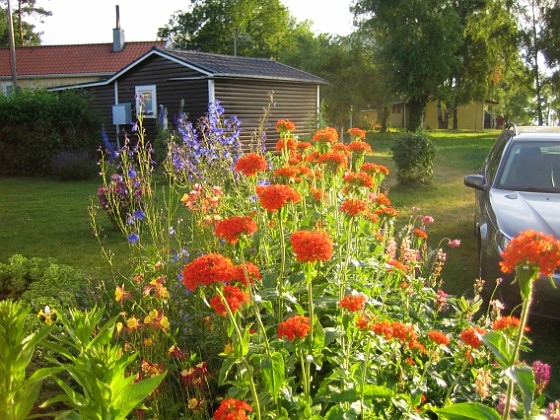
point(47, 218)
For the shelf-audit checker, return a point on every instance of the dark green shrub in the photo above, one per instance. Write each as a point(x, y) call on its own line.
point(42, 282)
point(36, 125)
point(413, 153)
point(74, 166)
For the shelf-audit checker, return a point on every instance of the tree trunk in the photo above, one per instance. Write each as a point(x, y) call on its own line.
point(454, 111)
point(416, 107)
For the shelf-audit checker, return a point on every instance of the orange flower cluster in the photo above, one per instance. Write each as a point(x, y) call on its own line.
point(235, 298)
point(250, 164)
point(396, 330)
point(353, 302)
point(303, 145)
point(353, 206)
point(328, 135)
point(296, 326)
point(333, 160)
point(341, 148)
point(207, 269)
point(380, 199)
point(231, 229)
point(288, 144)
point(420, 233)
point(293, 173)
point(358, 146)
point(471, 336)
point(311, 246)
point(232, 409)
point(505, 322)
point(373, 169)
point(359, 179)
point(532, 249)
point(273, 197)
point(439, 337)
point(253, 273)
point(357, 133)
point(386, 212)
point(285, 125)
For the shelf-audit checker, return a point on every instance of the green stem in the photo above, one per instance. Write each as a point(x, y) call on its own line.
point(282, 267)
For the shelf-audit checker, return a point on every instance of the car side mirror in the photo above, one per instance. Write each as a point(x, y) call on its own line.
point(475, 181)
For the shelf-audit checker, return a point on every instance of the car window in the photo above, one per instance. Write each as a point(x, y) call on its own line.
point(531, 166)
point(493, 160)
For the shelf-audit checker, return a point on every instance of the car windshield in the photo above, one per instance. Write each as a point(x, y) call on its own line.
point(531, 166)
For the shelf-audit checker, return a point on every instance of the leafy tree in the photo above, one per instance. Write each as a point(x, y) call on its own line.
point(24, 32)
point(260, 28)
point(417, 42)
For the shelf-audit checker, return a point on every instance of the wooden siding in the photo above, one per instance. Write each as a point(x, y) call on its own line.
point(49, 82)
point(247, 99)
point(469, 116)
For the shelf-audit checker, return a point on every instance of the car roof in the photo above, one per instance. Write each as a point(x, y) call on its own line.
point(534, 132)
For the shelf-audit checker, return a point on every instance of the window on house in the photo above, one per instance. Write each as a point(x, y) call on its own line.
point(146, 100)
point(396, 109)
point(7, 88)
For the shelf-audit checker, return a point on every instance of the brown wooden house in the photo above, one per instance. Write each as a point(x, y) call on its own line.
point(173, 79)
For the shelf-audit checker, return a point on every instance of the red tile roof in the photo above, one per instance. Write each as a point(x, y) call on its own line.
point(73, 59)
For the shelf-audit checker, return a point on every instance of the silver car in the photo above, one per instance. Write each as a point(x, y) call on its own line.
point(518, 189)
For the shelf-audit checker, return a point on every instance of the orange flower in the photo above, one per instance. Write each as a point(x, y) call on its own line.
point(386, 212)
point(285, 125)
point(235, 298)
point(207, 269)
point(296, 326)
point(359, 179)
point(288, 144)
point(253, 273)
point(231, 229)
point(304, 145)
point(273, 197)
point(359, 147)
point(471, 336)
point(333, 160)
point(341, 148)
point(328, 135)
point(353, 302)
point(364, 320)
point(532, 249)
point(232, 409)
point(357, 133)
point(353, 206)
point(250, 164)
point(505, 322)
point(439, 337)
point(310, 246)
point(420, 233)
point(373, 169)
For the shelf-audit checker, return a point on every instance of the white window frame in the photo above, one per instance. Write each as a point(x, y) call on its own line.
point(149, 109)
point(7, 88)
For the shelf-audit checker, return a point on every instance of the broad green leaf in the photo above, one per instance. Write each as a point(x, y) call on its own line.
point(500, 346)
point(467, 411)
point(273, 373)
point(135, 393)
point(523, 376)
point(26, 398)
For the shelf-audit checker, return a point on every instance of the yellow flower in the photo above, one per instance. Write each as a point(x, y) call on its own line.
point(228, 348)
point(148, 342)
point(48, 315)
point(193, 403)
point(165, 322)
point(132, 322)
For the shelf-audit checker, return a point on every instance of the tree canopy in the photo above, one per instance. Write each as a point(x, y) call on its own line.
point(24, 31)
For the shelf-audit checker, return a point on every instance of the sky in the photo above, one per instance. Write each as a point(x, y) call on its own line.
point(92, 21)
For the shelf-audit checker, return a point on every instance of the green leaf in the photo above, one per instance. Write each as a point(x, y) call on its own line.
point(523, 375)
point(500, 346)
point(468, 410)
point(273, 373)
point(135, 393)
point(26, 398)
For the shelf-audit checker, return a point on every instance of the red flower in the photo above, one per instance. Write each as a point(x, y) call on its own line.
point(232, 409)
point(285, 125)
point(359, 179)
point(310, 246)
point(353, 206)
point(358, 146)
point(207, 269)
point(333, 160)
point(250, 164)
point(533, 249)
point(253, 273)
point(296, 326)
point(328, 135)
point(353, 302)
point(273, 197)
point(471, 336)
point(235, 298)
point(373, 169)
point(505, 322)
point(364, 320)
point(357, 133)
point(231, 229)
point(439, 337)
point(288, 143)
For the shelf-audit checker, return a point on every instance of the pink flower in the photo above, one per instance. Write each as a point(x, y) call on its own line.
point(427, 219)
point(455, 243)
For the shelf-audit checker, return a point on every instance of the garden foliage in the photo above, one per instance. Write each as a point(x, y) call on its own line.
point(36, 125)
point(278, 287)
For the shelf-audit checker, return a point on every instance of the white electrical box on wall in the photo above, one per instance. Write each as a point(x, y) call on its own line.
point(122, 114)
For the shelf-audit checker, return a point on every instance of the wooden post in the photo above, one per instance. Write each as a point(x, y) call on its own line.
point(12, 45)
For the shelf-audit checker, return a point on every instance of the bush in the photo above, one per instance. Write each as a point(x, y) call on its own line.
point(36, 125)
point(413, 153)
point(74, 166)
